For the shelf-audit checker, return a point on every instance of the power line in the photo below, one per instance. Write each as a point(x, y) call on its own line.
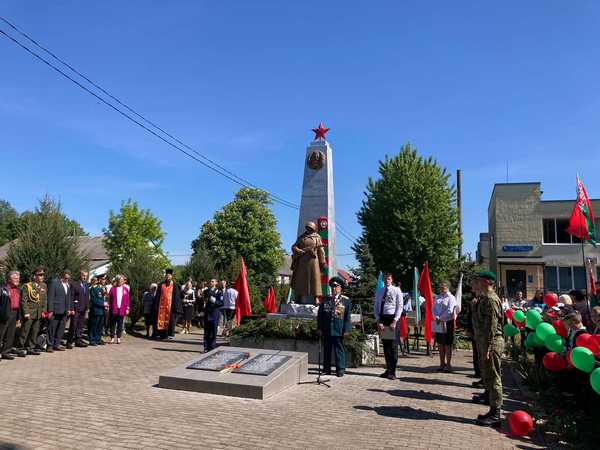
point(210, 164)
point(242, 181)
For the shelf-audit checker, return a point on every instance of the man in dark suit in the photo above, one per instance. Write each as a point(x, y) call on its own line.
point(81, 304)
point(60, 306)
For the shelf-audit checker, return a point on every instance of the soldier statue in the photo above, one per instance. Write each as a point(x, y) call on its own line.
point(308, 259)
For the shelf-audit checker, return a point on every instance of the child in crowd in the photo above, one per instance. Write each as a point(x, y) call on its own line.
point(576, 328)
point(595, 319)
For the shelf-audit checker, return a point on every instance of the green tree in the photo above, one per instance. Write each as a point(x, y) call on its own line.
point(9, 220)
point(45, 237)
point(133, 229)
point(409, 217)
point(133, 241)
point(200, 267)
point(246, 228)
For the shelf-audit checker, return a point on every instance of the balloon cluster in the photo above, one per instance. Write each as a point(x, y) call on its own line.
point(552, 336)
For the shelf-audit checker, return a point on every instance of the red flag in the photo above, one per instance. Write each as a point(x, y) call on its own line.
point(425, 288)
point(242, 305)
point(270, 303)
point(591, 279)
point(582, 223)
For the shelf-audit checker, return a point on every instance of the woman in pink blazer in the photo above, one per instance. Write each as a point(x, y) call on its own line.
point(119, 308)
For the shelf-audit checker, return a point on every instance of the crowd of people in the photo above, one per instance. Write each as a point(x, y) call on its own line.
point(576, 311)
point(52, 317)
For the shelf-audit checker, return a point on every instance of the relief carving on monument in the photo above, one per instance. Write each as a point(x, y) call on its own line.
point(316, 160)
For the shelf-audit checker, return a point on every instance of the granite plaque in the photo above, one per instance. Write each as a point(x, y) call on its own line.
point(263, 364)
point(219, 360)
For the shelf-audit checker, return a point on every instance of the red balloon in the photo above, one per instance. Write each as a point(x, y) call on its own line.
point(520, 423)
point(588, 341)
point(569, 362)
point(561, 328)
point(509, 313)
point(554, 362)
point(519, 325)
point(550, 299)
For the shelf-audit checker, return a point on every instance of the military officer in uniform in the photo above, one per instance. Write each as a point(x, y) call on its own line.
point(490, 345)
point(333, 321)
point(33, 304)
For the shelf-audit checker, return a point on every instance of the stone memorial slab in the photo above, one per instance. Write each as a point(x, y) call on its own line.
point(263, 364)
point(273, 372)
point(219, 360)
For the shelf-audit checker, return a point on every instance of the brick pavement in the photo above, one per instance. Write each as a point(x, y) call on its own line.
point(106, 397)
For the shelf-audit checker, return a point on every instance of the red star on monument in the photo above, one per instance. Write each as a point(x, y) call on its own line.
point(320, 132)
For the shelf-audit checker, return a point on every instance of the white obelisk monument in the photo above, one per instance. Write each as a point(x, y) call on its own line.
point(317, 204)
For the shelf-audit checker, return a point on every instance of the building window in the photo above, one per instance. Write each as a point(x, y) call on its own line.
point(555, 232)
point(550, 278)
point(564, 279)
point(579, 278)
point(562, 237)
point(549, 231)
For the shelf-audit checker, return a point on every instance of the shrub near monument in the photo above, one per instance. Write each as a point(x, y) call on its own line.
point(298, 333)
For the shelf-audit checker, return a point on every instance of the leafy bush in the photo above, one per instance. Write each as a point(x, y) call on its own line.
point(305, 330)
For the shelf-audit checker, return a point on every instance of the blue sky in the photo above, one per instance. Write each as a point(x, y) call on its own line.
point(474, 84)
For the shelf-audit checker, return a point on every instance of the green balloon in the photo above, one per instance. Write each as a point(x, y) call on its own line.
point(510, 330)
point(519, 316)
point(554, 343)
point(534, 318)
point(595, 380)
point(583, 359)
point(533, 341)
point(543, 330)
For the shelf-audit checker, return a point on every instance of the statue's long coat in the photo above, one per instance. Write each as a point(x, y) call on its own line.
point(308, 258)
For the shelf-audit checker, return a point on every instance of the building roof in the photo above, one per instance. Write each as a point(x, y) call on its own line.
point(92, 246)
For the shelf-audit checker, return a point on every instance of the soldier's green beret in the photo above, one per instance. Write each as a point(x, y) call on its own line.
point(487, 275)
point(337, 281)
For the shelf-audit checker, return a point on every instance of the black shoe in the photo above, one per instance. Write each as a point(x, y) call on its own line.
point(339, 374)
point(49, 350)
point(492, 419)
point(101, 343)
point(33, 352)
point(384, 374)
point(60, 348)
point(69, 346)
point(477, 384)
point(20, 353)
point(8, 357)
point(81, 344)
point(481, 399)
point(93, 344)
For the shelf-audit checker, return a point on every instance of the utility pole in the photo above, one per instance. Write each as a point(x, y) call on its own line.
point(459, 212)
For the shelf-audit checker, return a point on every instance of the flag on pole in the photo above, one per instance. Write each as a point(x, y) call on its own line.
point(582, 223)
point(242, 304)
point(416, 297)
point(458, 295)
point(425, 289)
point(590, 278)
point(270, 302)
point(380, 286)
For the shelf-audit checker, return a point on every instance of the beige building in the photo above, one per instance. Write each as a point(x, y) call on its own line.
point(527, 245)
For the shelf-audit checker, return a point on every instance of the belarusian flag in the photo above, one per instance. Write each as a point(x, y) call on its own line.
point(582, 223)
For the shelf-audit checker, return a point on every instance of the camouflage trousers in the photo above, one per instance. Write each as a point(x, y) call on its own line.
point(491, 373)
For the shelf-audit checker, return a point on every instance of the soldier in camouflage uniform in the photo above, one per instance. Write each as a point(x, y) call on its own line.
point(33, 304)
point(490, 343)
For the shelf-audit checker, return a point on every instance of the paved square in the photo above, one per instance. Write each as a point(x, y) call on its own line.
point(106, 398)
